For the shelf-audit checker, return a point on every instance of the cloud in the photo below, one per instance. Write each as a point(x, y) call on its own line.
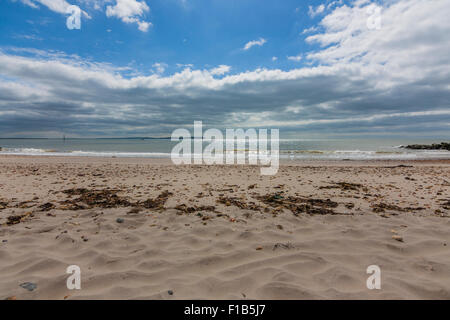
point(59, 6)
point(395, 80)
point(260, 42)
point(220, 70)
point(143, 25)
point(315, 11)
point(184, 65)
point(334, 3)
point(130, 11)
point(295, 58)
point(30, 3)
point(32, 37)
point(274, 58)
point(309, 30)
point(159, 67)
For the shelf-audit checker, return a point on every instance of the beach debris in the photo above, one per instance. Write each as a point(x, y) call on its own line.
point(24, 205)
point(344, 186)
point(11, 298)
point(15, 219)
point(157, 203)
point(184, 208)
point(283, 246)
point(259, 248)
point(445, 203)
point(399, 166)
point(30, 286)
point(3, 205)
point(47, 206)
point(350, 205)
point(228, 201)
point(120, 220)
point(382, 207)
point(397, 237)
point(96, 198)
point(299, 205)
point(108, 198)
point(134, 211)
point(170, 292)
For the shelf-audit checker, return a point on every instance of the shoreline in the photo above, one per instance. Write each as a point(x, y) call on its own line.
point(168, 161)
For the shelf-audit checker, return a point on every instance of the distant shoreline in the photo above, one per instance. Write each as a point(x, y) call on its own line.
point(130, 138)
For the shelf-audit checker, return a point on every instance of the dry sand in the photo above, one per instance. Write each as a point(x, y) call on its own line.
point(223, 232)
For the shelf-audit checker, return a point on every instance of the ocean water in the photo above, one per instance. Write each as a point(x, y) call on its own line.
point(295, 149)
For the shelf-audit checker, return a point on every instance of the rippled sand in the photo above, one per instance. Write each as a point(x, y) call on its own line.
point(223, 232)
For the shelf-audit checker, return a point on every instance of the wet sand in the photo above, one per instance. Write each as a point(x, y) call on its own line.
point(146, 229)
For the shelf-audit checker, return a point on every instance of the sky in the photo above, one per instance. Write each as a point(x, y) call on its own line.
point(322, 68)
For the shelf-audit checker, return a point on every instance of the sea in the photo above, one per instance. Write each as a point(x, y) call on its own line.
point(293, 149)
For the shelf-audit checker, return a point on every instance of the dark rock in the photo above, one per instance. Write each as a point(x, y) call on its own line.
point(119, 220)
point(434, 146)
point(30, 286)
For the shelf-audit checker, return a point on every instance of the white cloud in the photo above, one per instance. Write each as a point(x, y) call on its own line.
point(310, 30)
point(220, 70)
point(184, 65)
point(334, 3)
point(274, 58)
point(315, 11)
point(159, 67)
point(295, 58)
point(412, 43)
point(260, 42)
point(29, 3)
point(59, 6)
point(130, 11)
point(143, 25)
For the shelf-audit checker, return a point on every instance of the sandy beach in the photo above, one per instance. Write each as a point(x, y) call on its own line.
point(147, 229)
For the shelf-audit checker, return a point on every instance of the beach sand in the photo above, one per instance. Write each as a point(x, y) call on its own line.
point(146, 229)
